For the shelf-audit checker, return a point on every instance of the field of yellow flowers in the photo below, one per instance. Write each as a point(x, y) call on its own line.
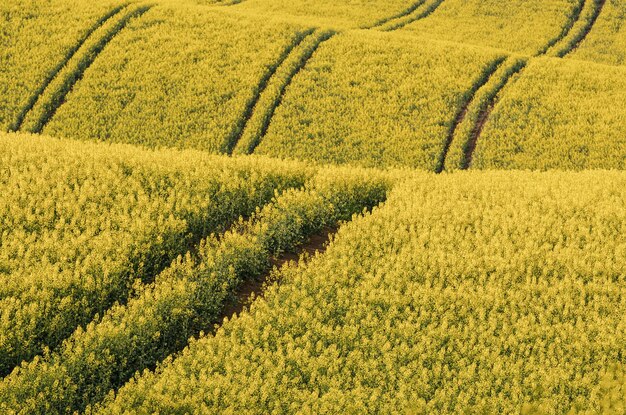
point(312, 207)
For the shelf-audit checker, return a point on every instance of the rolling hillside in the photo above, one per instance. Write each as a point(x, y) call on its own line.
point(312, 206)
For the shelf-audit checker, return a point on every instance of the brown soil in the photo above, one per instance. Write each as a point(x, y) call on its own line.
point(244, 295)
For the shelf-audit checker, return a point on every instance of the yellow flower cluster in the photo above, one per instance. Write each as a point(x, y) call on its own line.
point(560, 114)
point(79, 223)
point(516, 26)
point(185, 298)
point(179, 76)
point(482, 292)
point(375, 99)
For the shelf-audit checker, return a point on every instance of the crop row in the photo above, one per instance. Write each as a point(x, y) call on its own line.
point(184, 299)
point(81, 224)
point(498, 292)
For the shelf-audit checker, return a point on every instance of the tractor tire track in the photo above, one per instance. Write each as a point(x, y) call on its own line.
point(272, 88)
point(571, 22)
point(56, 92)
point(17, 123)
point(460, 116)
point(582, 35)
point(418, 14)
point(561, 45)
point(238, 130)
point(485, 113)
point(400, 15)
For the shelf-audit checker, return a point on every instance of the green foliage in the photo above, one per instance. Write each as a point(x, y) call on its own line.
point(477, 292)
point(560, 114)
point(522, 26)
point(374, 100)
point(180, 76)
point(79, 223)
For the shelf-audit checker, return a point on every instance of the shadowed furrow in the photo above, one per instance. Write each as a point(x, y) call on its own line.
point(239, 129)
point(271, 97)
point(401, 15)
point(489, 71)
point(578, 36)
point(17, 124)
point(55, 93)
point(419, 13)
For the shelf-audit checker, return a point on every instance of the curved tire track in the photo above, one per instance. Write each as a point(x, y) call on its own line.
point(258, 114)
point(17, 123)
point(489, 71)
point(56, 91)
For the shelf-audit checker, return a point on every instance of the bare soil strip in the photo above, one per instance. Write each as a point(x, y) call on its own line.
point(484, 78)
point(254, 288)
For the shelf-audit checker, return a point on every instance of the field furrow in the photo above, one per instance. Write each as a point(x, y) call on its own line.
point(312, 207)
point(606, 43)
point(186, 298)
point(516, 26)
point(396, 112)
point(581, 30)
point(56, 91)
point(479, 292)
point(467, 132)
point(251, 107)
point(572, 21)
point(398, 16)
point(270, 97)
point(561, 114)
point(119, 217)
point(484, 78)
point(132, 95)
point(426, 9)
point(37, 39)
